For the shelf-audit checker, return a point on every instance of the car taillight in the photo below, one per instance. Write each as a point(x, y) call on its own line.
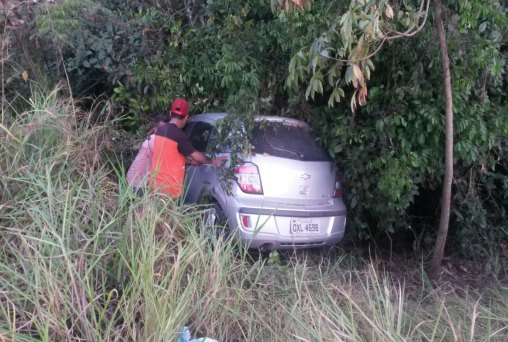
point(245, 219)
point(247, 177)
point(337, 188)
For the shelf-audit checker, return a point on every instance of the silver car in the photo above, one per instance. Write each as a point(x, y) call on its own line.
point(285, 195)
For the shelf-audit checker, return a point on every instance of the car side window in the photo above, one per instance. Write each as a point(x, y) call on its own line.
point(188, 128)
point(200, 135)
point(215, 145)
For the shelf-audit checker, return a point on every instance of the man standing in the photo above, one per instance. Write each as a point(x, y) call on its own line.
point(137, 175)
point(171, 148)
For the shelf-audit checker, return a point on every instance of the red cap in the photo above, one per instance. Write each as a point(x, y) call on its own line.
point(180, 107)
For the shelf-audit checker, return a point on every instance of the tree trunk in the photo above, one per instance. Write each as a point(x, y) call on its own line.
point(435, 266)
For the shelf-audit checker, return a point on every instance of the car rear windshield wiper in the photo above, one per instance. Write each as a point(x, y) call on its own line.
point(281, 149)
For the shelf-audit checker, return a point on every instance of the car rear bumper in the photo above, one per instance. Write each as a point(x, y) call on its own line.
point(267, 243)
point(269, 228)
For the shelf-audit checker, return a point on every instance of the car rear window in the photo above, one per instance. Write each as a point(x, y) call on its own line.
point(286, 141)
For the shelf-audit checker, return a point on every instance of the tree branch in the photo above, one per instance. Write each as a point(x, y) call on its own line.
point(408, 32)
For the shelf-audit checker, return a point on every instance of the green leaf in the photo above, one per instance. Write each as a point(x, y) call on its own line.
point(370, 64)
point(314, 63)
point(309, 89)
point(319, 86)
point(348, 77)
point(335, 96)
point(346, 27)
point(324, 53)
point(331, 101)
point(482, 27)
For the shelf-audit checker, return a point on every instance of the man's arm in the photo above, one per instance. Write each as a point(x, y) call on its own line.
point(197, 158)
point(201, 158)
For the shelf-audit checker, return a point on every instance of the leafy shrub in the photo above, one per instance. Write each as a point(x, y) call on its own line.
point(234, 56)
point(81, 259)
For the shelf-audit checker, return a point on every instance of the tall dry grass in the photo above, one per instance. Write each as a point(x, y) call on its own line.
point(82, 259)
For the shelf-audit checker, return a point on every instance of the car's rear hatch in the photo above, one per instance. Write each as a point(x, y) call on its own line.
point(293, 168)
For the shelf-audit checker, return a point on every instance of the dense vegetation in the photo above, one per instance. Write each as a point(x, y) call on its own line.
point(95, 268)
point(80, 259)
point(220, 54)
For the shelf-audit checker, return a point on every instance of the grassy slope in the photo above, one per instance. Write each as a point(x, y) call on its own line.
point(82, 260)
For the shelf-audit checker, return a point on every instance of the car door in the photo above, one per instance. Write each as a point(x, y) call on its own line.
point(198, 178)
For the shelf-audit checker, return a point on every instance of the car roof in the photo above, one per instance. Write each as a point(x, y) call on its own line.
point(212, 118)
point(207, 117)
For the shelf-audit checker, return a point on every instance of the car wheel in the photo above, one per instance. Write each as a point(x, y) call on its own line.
point(215, 220)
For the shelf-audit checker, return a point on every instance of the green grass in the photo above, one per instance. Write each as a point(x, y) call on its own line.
point(82, 260)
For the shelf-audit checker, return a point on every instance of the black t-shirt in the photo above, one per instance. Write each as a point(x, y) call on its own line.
point(172, 132)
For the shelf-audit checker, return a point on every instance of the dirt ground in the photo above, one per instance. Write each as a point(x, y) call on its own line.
point(457, 274)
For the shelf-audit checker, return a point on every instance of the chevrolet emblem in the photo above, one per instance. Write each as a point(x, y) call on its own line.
point(305, 176)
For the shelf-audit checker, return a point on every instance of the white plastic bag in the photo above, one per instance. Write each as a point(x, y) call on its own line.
point(186, 337)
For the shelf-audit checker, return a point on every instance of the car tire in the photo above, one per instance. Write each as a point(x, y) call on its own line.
point(215, 220)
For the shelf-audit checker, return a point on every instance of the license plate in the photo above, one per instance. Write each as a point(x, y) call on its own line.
point(303, 226)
